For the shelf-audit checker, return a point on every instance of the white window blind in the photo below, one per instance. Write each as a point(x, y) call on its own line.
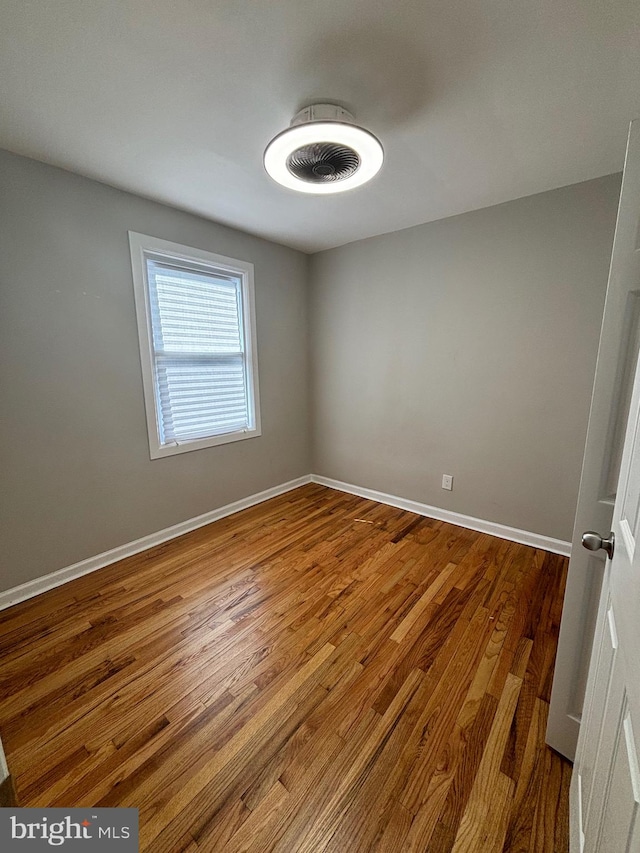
point(197, 332)
point(199, 353)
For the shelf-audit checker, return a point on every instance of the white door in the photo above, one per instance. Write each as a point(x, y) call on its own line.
point(605, 787)
point(617, 357)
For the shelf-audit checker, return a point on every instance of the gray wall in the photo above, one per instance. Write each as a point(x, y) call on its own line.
point(76, 475)
point(466, 346)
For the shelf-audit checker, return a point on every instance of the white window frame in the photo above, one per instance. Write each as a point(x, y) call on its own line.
point(141, 246)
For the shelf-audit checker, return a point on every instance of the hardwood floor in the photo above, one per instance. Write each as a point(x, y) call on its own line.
point(317, 673)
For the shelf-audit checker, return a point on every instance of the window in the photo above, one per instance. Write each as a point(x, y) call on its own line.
point(196, 326)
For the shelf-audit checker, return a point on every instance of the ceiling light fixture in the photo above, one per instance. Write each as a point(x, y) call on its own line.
point(323, 151)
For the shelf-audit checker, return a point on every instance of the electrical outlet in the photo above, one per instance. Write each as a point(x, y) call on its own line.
point(447, 481)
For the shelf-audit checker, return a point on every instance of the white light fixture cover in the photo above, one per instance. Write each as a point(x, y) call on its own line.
point(319, 125)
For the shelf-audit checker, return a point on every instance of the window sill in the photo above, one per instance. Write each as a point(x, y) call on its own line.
point(160, 451)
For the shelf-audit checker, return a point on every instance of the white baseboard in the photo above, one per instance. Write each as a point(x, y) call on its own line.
point(92, 564)
point(502, 531)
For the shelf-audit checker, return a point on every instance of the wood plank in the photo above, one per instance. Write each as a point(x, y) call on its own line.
point(484, 822)
point(407, 623)
point(316, 673)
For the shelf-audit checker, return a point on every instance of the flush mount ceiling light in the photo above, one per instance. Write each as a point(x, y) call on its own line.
point(323, 151)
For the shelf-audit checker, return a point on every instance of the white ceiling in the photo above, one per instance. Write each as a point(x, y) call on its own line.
point(475, 101)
